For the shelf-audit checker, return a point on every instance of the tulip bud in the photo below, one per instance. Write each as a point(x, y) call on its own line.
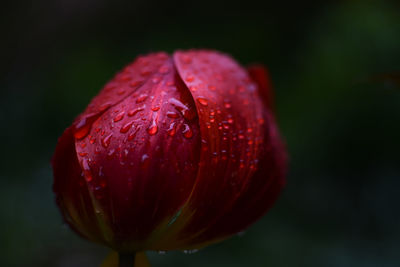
point(176, 152)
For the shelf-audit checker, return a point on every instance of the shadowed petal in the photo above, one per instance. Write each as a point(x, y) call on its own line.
point(230, 116)
point(141, 159)
point(72, 195)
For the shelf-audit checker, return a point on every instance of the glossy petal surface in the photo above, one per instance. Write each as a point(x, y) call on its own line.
point(231, 122)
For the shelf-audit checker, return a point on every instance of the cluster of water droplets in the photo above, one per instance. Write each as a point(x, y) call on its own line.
point(229, 141)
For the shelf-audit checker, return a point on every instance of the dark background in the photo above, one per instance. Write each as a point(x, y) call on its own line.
point(341, 124)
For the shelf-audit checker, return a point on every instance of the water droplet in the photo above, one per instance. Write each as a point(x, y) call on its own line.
point(119, 116)
point(193, 88)
point(145, 73)
point(189, 78)
point(186, 59)
point(249, 130)
point(126, 78)
point(153, 128)
point(125, 128)
point(105, 142)
point(126, 152)
point(188, 113)
point(156, 79)
point(111, 153)
point(171, 114)
point(202, 101)
point(163, 69)
point(136, 110)
point(82, 128)
point(187, 131)
point(156, 108)
point(172, 129)
point(141, 98)
point(241, 136)
point(162, 252)
point(227, 105)
point(132, 135)
point(86, 170)
point(104, 107)
point(136, 83)
point(145, 157)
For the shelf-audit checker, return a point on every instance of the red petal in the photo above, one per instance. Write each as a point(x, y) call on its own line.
point(230, 113)
point(71, 192)
point(124, 83)
point(262, 191)
point(141, 162)
point(260, 75)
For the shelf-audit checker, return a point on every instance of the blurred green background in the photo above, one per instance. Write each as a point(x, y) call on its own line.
point(341, 204)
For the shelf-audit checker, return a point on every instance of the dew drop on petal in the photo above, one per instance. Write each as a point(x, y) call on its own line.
point(163, 69)
point(119, 116)
point(104, 107)
point(135, 111)
point(136, 83)
point(153, 128)
point(105, 142)
point(186, 59)
point(172, 129)
point(156, 79)
point(202, 101)
point(227, 105)
point(141, 98)
point(171, 114)
point(86, 170)
point(121, 92)
point(111, 153)
point(145, 157)
point(187, 131)
point(125, 128)
point(132, 135)
point(189, 78)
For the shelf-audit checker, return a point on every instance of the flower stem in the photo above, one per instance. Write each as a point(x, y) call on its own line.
point(126, 259)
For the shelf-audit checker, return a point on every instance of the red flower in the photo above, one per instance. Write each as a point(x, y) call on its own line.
point(174, 153)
